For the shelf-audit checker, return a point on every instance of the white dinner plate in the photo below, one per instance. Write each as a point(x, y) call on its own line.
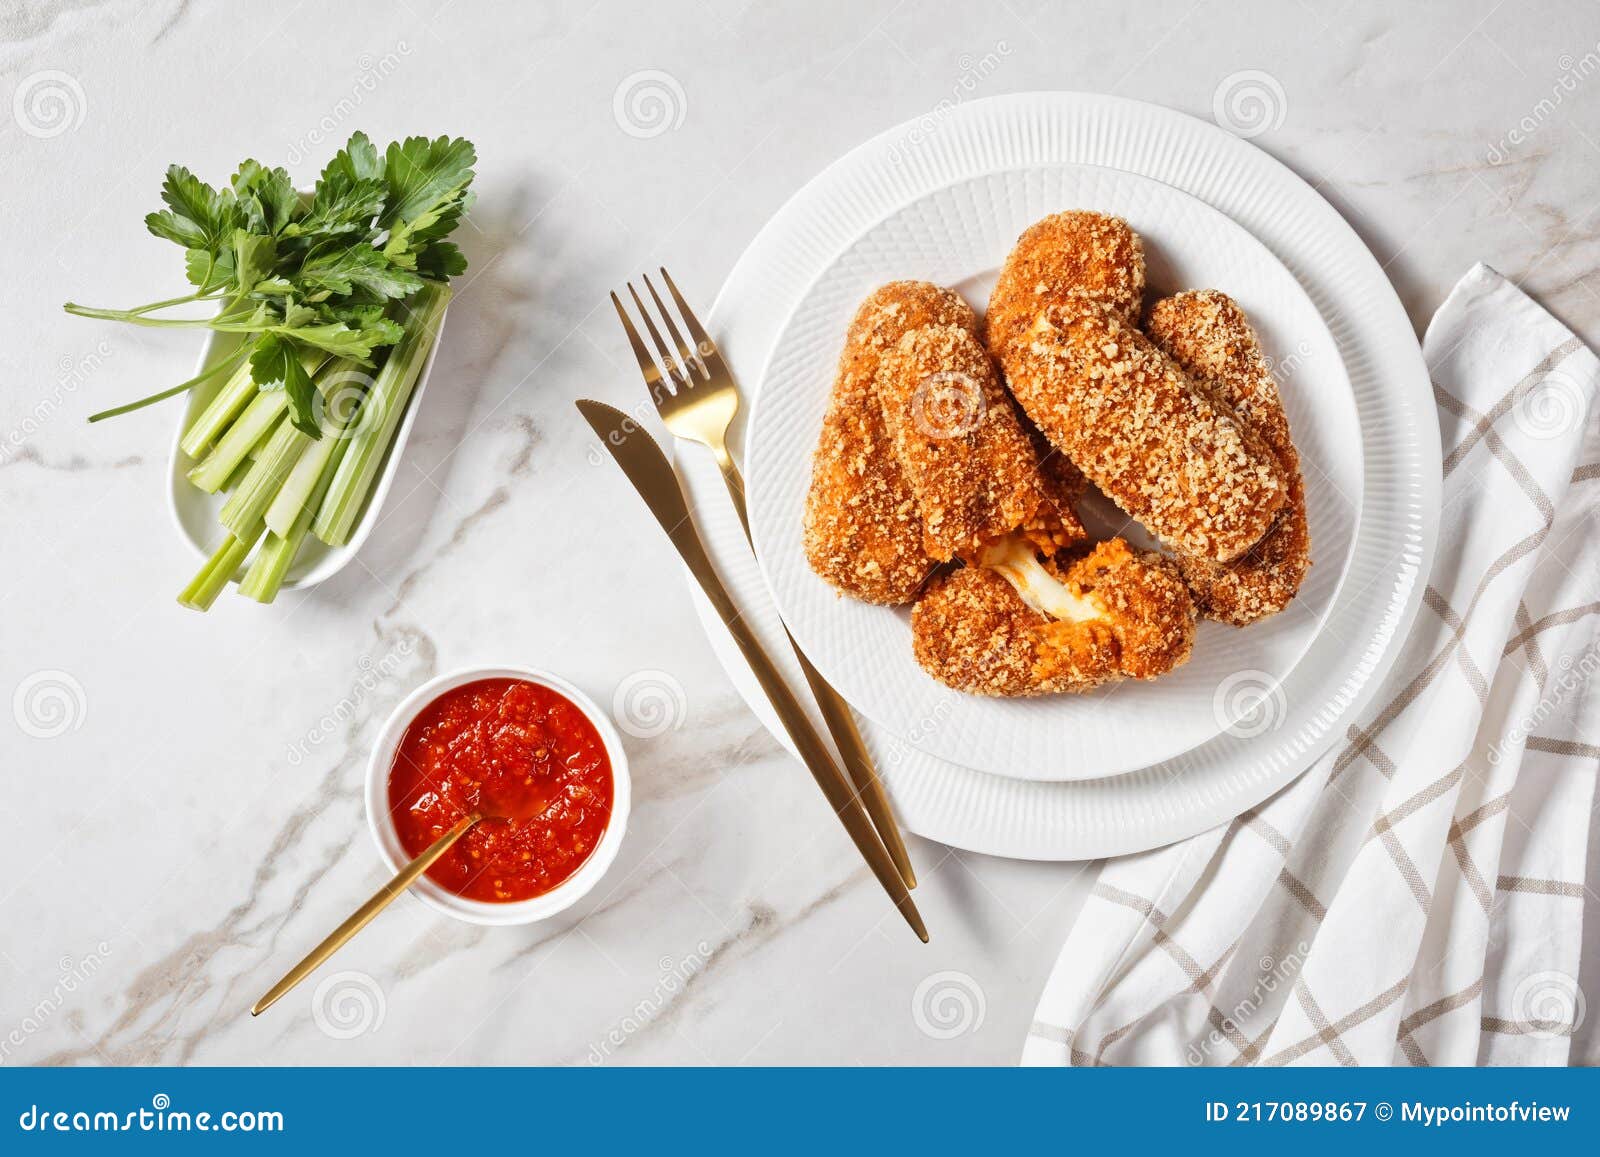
point(1395, 536)
point(958, 235)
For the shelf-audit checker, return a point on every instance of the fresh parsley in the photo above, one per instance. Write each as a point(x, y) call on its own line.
point(324, 272)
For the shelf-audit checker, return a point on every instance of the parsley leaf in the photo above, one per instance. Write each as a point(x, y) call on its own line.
point(275, 365)
point(441, 261)
point(266, 197)
point(208, 269)
point(197, 216)
point(422, 173)
point(357, 161)
point(359, 269)
point(254, 256)
point(341, 204)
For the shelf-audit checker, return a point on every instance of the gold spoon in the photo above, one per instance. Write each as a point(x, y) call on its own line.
point(531, 804)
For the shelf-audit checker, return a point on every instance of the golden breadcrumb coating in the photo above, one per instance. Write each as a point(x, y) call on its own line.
point(863, 532)
point(1063, 483)
point(974, 633)
point(1168, 452)
point(960, 446)
point(1210, 337)
point(1077, 251)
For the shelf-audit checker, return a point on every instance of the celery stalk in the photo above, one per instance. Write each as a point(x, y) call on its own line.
point(259, 419)
point(224, 562)
point(238, 474)
point(272, 561)
point(249, 502)
point(265, 576)
point(389, 394)
point(219, 412)
point(343, 398)
point(235, 394)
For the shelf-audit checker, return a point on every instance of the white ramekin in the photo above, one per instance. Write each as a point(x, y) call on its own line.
point(563, 895)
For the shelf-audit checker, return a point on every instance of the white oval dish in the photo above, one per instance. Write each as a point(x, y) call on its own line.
point(195, 512)
point(958, 235)
point(559, 898)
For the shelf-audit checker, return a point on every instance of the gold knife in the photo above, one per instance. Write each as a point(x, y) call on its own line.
point(652, 476)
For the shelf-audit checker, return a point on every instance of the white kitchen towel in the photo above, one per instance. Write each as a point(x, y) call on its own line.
point(1416, 897)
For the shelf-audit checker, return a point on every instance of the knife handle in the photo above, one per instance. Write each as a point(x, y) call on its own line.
point(655, 482)
point(813, 751)
point(835, 711)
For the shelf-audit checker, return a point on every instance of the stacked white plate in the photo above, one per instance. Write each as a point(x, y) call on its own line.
point(1138, 764)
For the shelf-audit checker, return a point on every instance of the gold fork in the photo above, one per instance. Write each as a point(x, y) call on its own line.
point(697, 398)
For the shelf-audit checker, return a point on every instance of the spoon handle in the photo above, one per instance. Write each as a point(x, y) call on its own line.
point(363, 915)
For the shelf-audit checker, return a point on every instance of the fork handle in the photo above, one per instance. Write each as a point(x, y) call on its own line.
point(857, 764)
point(835, 711)
point(734, 481)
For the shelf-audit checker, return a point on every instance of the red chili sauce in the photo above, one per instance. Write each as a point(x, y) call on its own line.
point(511, 748)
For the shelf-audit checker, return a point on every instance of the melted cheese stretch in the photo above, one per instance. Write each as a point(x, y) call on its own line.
point(1014, 560)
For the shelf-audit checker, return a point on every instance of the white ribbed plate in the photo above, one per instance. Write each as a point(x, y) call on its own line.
point(958, 236)
point(1400, 495)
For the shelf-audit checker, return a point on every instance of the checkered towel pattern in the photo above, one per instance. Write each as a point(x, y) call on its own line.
point(1416, 897)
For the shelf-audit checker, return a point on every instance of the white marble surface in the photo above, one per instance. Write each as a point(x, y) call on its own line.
point(185, 837)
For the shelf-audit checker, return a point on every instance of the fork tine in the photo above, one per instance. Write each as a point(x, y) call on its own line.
point(647, 364)
point(679, 379)
point(702, 340)
point(691, 360)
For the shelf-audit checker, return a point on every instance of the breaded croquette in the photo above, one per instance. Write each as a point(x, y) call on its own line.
point(1064, 484)
point(961, 448)
point(1111, 615)
point(1077, 251)
point(1165, 450)
point(1210, 337)
point(863, 533)
point(947, 481)
point(973, 633)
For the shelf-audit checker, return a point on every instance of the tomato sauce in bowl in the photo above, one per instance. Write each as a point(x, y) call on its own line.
point(515, 748)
